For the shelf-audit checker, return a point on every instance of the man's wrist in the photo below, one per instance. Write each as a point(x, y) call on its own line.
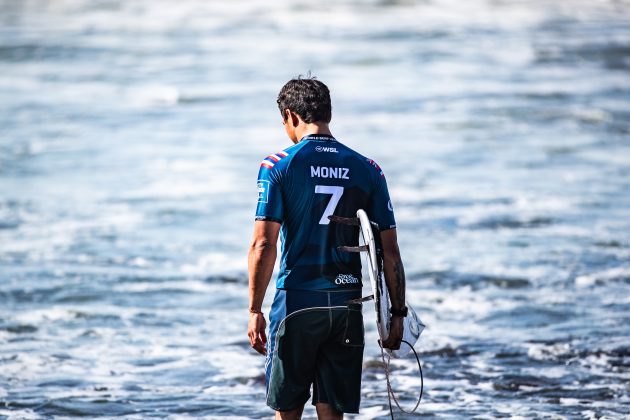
point(254, 311)
point(399, 312)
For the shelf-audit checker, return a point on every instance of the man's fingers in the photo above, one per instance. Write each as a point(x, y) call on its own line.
point(259, 346)
point(392, 345)
point(258, 341)
point(395, 335)
point(392, 342)
point(256, 334)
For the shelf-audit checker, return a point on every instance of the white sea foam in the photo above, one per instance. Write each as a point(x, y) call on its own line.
point(546, 352)
point(39, 316)
point(216, 262)
point(17, 414)
point(149, 95)
point(605, 275)
point(585, 281)
point(233, 363)
point(188, 285)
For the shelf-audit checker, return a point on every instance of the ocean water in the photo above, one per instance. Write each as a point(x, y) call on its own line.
point(130, 138)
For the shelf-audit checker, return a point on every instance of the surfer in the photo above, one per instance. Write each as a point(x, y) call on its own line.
point(316, 336)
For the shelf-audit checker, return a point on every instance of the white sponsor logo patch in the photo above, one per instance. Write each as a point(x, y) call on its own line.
point(346, 279)
point(326, 149)
point(263, 191)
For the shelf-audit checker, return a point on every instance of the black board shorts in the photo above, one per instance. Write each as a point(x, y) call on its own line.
point(315, 341)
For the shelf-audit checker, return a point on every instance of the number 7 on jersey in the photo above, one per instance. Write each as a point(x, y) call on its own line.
point(336, 192)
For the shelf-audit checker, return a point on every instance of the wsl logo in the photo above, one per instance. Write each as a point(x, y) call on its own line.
point(326, 149)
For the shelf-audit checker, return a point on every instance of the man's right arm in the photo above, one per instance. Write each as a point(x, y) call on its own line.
point(395, 280)
point(262, 257)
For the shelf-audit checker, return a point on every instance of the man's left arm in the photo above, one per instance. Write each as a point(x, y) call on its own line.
point(395, 280)
point(261, 259)
point(382, 212)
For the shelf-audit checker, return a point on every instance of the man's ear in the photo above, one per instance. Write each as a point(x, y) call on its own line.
point(294, 119)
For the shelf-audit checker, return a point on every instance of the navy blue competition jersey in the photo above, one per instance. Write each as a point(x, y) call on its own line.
point(303, 185)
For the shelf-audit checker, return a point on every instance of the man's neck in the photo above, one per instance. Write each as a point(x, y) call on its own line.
point(304, 130)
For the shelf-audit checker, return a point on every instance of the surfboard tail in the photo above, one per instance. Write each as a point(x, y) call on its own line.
point(412, 328)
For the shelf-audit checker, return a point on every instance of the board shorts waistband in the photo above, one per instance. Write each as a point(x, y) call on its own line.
point(287, 301)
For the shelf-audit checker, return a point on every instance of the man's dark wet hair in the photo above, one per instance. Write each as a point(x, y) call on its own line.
point(307, 97)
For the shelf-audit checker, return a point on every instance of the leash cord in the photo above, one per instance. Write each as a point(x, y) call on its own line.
point(390, 391)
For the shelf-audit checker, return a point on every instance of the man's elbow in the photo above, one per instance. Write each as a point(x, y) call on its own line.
point(262, 245)
point(389, 242)
point(391, 253)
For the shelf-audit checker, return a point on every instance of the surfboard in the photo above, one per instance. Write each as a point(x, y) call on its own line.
point(412, 325)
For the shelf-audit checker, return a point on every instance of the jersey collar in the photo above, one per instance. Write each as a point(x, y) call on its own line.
point(318, 137)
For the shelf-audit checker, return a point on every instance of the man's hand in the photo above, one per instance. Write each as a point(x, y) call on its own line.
point(256, 332)
point(395, 334)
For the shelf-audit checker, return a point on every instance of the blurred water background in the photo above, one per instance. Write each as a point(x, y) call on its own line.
point(130, 138)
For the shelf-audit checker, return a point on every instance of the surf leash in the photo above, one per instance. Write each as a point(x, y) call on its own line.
point(386, 358)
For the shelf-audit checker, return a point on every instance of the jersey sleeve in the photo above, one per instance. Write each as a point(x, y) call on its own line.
point(380, 209)
point(270, 206)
